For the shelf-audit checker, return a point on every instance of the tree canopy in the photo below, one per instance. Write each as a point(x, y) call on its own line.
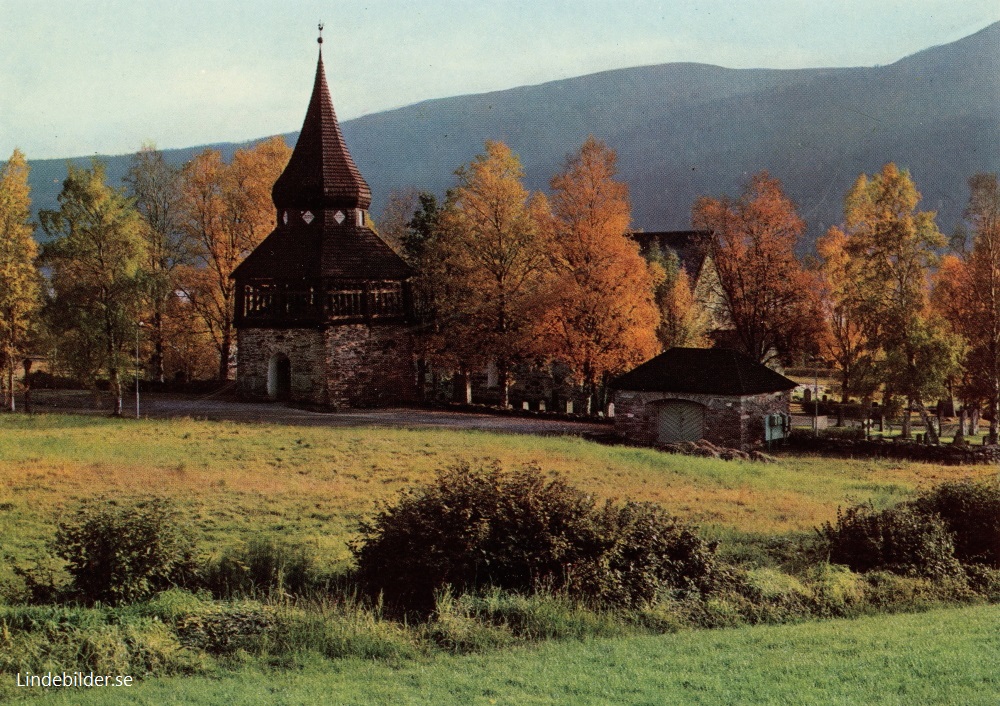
point(19, 278)
point(492, 247)
point(225, 212)
point(99, 281)
point(599, 315)
point(769, 297)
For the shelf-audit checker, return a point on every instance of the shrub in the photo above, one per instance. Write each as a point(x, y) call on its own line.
point(648, 549)
point(899, 539)
point(119, 553)
point(971, 512)
point(522, 531)
point(337, 630)
point(260, 568)
point(836, 591)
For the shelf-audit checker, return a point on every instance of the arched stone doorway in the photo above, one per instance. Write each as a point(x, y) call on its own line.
point(279, 377)
point(680, 420)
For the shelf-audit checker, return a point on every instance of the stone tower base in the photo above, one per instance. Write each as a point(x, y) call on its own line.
point(354, 365)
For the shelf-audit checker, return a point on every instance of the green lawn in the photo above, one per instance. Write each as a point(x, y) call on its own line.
point(312, 484)
point(941, 657)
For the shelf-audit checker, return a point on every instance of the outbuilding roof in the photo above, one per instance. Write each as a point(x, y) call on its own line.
point(704, 371)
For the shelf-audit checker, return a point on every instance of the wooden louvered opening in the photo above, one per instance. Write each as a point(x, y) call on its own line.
point(680, 420)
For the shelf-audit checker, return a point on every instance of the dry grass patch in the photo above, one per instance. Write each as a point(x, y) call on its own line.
point(311, 484)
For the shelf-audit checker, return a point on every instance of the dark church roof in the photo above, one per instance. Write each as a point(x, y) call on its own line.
point(321, 172)
point(317, 197)
point(344, 252)
point(691, 246)
point(703, 371)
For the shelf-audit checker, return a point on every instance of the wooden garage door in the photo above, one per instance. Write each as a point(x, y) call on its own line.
point(681, 421)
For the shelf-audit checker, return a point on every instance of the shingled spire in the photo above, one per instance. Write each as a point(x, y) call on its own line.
point(321, 173)
point(323, 305)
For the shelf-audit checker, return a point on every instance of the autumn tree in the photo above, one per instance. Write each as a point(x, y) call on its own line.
point(491, 246)
point(769, 298)
point(19, 279)
point(154, 185)
point(97, 257)
point(683, 321)
point(600, 317)
point(967, 291)
point(845, 338)
point(226, 211)
point(892, 247)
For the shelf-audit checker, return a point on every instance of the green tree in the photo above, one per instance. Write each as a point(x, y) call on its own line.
point(892, 248)
point(683, 322)
point(97, 257)
point(154, 185)
point(19, 279)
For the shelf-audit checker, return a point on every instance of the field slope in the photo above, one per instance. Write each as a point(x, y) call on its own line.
point(311, 485)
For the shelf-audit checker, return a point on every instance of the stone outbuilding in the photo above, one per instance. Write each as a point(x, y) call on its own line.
point(323, 304)
point(688, 394)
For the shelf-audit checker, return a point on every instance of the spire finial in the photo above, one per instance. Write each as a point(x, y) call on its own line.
point(320, 40)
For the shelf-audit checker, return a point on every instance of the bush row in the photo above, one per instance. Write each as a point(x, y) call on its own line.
point(506, 558)
point(954, 525)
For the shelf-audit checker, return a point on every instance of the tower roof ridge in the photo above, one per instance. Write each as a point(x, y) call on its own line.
point(321, 172)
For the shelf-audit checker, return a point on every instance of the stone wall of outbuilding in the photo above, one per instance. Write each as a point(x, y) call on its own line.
point(732, 422)
point(342, 366)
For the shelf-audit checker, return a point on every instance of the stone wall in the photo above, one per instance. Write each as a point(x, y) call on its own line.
point(732, 422)
point(305, 351)
point(369, 366)
point(951, 455)
point(343, 366)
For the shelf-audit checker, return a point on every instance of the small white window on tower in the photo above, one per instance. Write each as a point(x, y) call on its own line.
point(361, 218)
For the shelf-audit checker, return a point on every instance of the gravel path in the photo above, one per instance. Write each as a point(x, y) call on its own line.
point(166, 406)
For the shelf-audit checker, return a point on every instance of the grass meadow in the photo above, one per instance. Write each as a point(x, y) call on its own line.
point(310, 485)
point(939, 657)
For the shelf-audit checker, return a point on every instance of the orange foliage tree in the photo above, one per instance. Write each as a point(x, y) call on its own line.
point(226, 212)
point(19, 278)
point(600, 317)
point(967, 292)
point(770, 299)
point(489, 243)
point(845, 338)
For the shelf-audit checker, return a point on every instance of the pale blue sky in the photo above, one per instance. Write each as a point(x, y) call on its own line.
point(93, 76)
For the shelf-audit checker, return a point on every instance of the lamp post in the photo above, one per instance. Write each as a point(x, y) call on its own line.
point(138, 327)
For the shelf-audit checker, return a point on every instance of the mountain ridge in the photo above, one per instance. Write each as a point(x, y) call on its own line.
point(686, 129)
